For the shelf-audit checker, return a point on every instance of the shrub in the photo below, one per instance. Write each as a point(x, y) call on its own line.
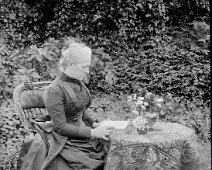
point(6, 83)
point(11, 135)
point(160, 65)
point(10, 124)
point(26, 22)
point(133, 48)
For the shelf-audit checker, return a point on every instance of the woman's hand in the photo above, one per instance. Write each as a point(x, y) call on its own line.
point(101, 132)
point(95, 124)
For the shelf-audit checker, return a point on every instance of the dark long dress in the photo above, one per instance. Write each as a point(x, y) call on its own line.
point(68, 148)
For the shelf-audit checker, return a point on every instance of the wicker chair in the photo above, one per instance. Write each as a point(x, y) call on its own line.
point(31, 108)
point(29, 103)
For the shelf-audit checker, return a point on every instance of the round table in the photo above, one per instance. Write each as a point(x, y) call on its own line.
point(169, 146)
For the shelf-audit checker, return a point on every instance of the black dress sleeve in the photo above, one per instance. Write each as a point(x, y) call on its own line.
point(88, 119)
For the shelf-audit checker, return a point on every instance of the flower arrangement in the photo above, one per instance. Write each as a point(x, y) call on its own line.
point(147, 107)
point(141, 124)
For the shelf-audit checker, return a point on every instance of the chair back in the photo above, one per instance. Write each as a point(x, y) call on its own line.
point(29, 102)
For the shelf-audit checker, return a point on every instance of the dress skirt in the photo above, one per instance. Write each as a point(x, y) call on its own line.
point(83, 154)
point(62, 153)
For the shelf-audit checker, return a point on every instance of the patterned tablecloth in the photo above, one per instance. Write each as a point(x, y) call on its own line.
point(170, 146)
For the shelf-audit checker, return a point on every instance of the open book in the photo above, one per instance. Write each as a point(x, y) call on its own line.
point(115, 124)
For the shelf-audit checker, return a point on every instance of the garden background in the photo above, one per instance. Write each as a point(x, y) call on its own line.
point(158, 45)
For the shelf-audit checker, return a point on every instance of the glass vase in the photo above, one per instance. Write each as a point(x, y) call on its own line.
point(142, 130)
point(151, 119)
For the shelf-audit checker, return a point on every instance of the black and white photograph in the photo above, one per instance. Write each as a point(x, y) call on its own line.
point(105, 85)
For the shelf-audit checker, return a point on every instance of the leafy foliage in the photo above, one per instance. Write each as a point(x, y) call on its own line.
point(6, 83)
point(11, 135)
point(13, 28)
point(181, 11)
point(10, 123)
point(146, 103)
point(159, 46)
point(192, 114)
point(9, 153)
point(160, 66)
point(25, 22)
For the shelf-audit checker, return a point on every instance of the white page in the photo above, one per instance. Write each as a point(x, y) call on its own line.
point(115, 124)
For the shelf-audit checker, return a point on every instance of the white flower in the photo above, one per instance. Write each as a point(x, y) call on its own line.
point(139, 102)
point(150, 115)
point(162, 112)
point(140, 98)
point(148, 94)
point(135, 112)
point(139, 122)
point(147, 113)
point(146, 104)
point(159, 100)
point(143, 107)
point(129, 98)
point(153, 115)
point(134, 97)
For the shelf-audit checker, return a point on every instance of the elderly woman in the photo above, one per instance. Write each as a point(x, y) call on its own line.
point(74, 140)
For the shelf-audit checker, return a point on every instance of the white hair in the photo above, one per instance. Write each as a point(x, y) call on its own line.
point(74, 54)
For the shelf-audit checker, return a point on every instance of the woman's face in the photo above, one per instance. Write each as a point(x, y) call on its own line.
point(80, 70)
